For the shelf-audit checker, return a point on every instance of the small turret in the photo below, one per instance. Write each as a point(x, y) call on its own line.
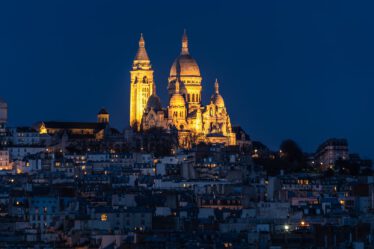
point(103, 116)
point(216, 97)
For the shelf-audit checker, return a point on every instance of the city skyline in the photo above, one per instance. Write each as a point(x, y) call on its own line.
point(197, 124)
point(85, 63)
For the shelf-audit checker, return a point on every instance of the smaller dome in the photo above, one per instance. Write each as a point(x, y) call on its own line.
point(216, 98)
point(177, 99)
point(154, 102)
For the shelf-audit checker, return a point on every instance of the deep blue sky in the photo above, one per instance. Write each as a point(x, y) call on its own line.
point(288, 69)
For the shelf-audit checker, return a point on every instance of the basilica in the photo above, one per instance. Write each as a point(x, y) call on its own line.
point(194, 122)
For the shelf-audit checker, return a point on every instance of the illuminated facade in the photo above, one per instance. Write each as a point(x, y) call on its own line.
point(3, 115)
point(185, 112)
point(4, 160)
point(94, 130)
point(141, 84)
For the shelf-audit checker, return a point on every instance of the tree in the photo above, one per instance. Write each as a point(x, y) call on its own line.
point(159, 141)
point(292, 154)
point(346, 167)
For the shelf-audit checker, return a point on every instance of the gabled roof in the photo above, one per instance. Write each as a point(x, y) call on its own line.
point(73, 125)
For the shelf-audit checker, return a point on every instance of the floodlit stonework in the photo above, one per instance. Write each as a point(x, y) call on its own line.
point(185, 112)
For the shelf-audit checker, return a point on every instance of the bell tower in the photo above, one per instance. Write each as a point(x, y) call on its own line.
point(103, 116)
point(141, 84)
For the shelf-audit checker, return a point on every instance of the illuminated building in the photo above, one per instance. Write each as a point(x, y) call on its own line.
point(141, 84)
point(103, 117)
point(330, 151)
point(90, 130)
point(3, 116)
point(185, 112)
point(4, 160)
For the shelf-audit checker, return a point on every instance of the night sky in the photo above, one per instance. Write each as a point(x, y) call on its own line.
point(288, 69)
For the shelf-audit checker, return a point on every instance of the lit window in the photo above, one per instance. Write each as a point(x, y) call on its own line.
point(104, 217)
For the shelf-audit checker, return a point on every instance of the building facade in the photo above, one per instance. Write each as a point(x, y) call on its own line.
point(330, 151)
point(3, 116)
point(185, 112)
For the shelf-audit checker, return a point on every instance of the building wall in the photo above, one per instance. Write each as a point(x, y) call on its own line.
point(4, 160)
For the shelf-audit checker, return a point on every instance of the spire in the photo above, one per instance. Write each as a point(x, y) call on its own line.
point(177, 87)
point(216, 87)
point(141, 55)
point(184, 43)
point(141, 41)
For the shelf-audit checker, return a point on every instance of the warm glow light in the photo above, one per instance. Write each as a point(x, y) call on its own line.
point(227, 245)
point(43, 129)
point(104, 217)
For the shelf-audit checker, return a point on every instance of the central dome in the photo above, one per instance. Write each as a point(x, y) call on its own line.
point(184, 64)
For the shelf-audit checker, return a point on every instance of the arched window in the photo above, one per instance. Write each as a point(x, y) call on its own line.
point(188, 97)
